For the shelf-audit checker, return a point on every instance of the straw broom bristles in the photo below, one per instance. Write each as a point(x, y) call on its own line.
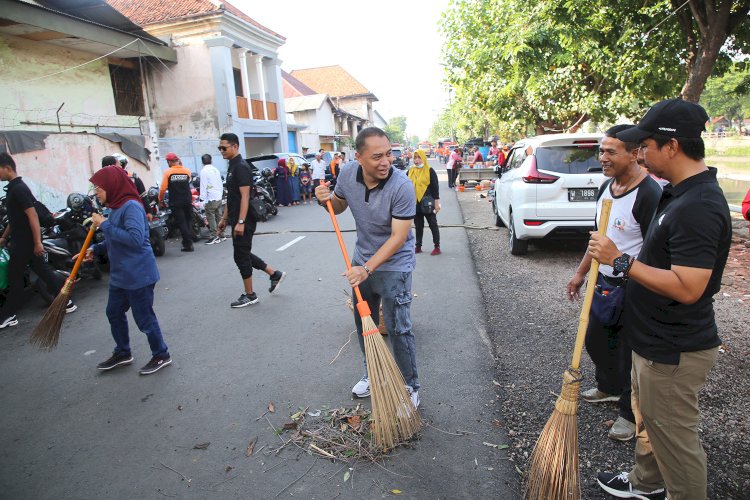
point(553, 469)
point(47, 332)
point(395, 420)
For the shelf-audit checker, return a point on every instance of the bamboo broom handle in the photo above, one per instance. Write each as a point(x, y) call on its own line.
point(82, 254)
point(335, 222)
point(583, 321)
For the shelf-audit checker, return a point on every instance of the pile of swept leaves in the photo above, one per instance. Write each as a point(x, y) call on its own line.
point(338, 434)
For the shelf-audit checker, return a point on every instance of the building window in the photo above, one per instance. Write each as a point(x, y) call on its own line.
point(238, 83)
point(126, 85)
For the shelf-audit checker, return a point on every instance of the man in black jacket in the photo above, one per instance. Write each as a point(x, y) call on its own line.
point(26, 247)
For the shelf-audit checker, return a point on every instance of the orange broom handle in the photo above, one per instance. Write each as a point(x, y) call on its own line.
point(335, 222)
point(583, 321)
point(81, 255)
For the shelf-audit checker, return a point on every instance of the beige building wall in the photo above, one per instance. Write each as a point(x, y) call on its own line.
point(182, 98)
point(86, 91)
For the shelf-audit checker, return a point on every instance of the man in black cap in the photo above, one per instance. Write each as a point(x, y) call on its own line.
point(669, 316)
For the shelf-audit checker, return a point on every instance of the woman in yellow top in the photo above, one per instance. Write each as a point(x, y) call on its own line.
point(427, 190)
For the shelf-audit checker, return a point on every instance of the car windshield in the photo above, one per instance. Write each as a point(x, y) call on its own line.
point(568, 159)
point(396, 153)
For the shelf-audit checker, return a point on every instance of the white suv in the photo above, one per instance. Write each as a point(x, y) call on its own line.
point(547, 188)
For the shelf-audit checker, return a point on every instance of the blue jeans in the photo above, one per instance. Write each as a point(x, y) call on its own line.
point(141, 301)
point(393, 289)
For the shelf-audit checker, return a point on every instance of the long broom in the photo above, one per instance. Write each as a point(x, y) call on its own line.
point(47, 332)
point(395, 420)
point(553, 469)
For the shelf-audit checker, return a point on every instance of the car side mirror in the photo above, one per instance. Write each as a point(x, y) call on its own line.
point(499, 171)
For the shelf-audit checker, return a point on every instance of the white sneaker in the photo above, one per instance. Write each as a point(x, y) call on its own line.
point(13, 321)
point(213, 241)
point(414, 396)
point(362, 388)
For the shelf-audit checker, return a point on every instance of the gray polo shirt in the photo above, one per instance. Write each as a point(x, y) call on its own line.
point(373, 211)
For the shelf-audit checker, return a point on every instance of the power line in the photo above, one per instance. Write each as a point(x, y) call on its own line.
point(75, 67)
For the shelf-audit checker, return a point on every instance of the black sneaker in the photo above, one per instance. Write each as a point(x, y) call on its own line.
point(9, 321)
point(116, 360)
point(245, 300)
point(276, 279)
point(155, 365)
point(70, 307)
point(187, 249)
point(618, 485)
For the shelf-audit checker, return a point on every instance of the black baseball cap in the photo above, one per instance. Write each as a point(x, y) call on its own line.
point(673, 118)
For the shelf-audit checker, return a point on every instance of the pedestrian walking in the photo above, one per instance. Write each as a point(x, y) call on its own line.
point(242, 226)
point(132, 272)
point(211, 194)
point(381, 199)
point(318, 169)
point(427, 191)
point(294, 180)
point(283, 185)
point(176, 179)
point(669, 312)
point(25, 235)
point(634, 198)
point(305, 180)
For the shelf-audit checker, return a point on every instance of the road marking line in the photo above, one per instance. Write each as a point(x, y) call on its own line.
point(295, 240)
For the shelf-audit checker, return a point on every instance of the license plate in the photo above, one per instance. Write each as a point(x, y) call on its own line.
point(582, 194)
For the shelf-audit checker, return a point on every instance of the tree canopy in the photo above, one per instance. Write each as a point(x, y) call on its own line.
point(551, 65)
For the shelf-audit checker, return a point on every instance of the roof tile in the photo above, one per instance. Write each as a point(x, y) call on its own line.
point(145, 12)
point(331, 80)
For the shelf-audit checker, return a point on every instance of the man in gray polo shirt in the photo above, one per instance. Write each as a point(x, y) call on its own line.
point(383, 205)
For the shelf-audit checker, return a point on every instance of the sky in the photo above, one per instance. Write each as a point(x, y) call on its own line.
point(392, 47)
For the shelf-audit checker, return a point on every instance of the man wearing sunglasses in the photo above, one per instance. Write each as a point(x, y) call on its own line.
point(237, 215)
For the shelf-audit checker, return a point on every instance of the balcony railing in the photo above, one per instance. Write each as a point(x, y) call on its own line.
point(257, 106)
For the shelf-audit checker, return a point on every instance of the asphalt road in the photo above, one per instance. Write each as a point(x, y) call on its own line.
point(70, 431)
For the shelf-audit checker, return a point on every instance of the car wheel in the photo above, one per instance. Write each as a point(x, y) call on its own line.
point(516, 246)
point(498, 221)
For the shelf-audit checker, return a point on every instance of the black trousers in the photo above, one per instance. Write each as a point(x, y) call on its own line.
point(612, 358)
point(183, 214)
point(246, 260)
point(419, 226)
point(22, 255)
point(451, 177)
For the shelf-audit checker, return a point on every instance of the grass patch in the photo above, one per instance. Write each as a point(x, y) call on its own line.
point(731, 151)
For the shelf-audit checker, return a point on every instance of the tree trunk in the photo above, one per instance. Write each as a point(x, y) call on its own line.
point(715, 22)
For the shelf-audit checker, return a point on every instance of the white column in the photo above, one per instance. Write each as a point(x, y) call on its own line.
point(221, 67)
point(245, 80)
point(261, 83)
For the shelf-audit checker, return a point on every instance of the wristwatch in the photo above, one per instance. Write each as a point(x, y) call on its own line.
point(366, 269)
point(241, 221)
point(622, 264)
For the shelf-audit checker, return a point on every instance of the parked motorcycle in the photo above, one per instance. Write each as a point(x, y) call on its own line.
point(262, 189)
point(157, 226)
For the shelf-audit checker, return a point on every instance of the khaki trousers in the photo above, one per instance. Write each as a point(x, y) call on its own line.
point(668, 451)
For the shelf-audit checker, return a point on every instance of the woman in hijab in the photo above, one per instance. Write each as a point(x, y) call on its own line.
point(283, 186)
point(133, 271)
point(294, 180)
point(425, 183)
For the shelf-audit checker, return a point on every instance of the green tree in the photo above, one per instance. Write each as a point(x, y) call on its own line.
point(396, 129)
point(555, 65)
point(729, 95)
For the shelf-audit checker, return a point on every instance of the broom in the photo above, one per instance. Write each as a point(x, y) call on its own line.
point(395, 419)
point(47, 332)
point(553, 469)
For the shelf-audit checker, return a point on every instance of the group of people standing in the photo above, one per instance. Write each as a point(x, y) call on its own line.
point(295, 183)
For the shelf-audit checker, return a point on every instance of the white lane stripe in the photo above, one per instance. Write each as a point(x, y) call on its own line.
point(295, 240)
